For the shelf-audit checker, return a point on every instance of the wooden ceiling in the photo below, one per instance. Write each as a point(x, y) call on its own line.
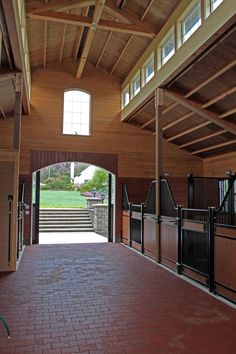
point(111, 34)
point(200, 103)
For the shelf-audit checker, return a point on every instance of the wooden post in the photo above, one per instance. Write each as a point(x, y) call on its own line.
point(159, 160)
point(17, 114)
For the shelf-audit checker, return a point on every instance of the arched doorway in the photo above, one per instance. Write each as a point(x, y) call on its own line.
point(40, 159)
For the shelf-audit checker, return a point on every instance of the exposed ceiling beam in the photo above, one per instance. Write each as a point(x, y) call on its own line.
point(219, 97)
point(79, 34)
point(226, 143)
point(104, 48)
point(0, 47)
point(228, 113)
point(35, 7)
point(211, 78)
point(129, 16)
point(62, 43)
point(147, 123)
point(178, 120)
point(206, 137)
point(185, 132)
point(96, 16)
point(45, 44)
point(77, 20)
point(147, 9)
point(122, 53)
point(169, 108)
point(5, 39)
point(197, 108)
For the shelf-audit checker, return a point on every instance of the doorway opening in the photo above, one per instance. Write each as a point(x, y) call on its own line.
point(73, 202)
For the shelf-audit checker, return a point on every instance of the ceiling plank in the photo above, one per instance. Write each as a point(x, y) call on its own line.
point(220, 97)
point(228, 113)
point(79, 35)
point(169, 108)
point(35, 7)
point(0, 47)
point(178, 120)
point(226, 143)
point(62, 43)
point(5, 40)
point(211, 78)
point(104, 48)
point(196, 108)
point(206, 137)
point(45, 44)
point(96, 16)
point(190, 130)
point(147, 123)
point(147, 9)
point(77, 20)
point(122, 53)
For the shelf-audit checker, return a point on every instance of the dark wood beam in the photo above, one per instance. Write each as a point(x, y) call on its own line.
point(18, 108)
point(197, 108)
point(205, 137)
point(214, 147)
point(159, 159)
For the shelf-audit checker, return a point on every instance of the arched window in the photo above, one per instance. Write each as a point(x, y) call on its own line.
point(76, 112)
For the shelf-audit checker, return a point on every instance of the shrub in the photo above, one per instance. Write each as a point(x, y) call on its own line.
point(58, 183)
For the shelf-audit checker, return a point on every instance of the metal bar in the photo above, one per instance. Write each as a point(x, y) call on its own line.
point(142, 227)
point(10, 200)
point(110, 213)
point(37, 206)
point(180, 241)
point(130, 227)
point(211, 211)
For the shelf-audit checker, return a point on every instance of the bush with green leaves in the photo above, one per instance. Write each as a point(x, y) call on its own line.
point(58, 183)
point(98, 181)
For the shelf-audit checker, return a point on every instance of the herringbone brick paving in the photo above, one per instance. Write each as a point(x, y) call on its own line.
point(104, 298)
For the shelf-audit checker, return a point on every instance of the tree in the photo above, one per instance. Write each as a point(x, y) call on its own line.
point(98, 181)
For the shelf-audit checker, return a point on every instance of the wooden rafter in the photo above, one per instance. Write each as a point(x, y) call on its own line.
point(190, 130)
point(197, 108)
point(45, 44)
point(211, 78)
point(5, 40)
point(36, 7)
point(104, 48)
point(213, 147)
point(148, 123)
point(96, 16)
point(122, 53)
point(170, 107)
point(147, 9)
point(79, 35)
point(2, 112)
point(206, 137)
point(62, 43)
point(0, 46)
point(178, 120)
point(76, 20)
point(228, 113)
point(219, 97)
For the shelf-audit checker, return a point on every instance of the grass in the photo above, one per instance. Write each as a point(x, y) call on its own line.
point(61, 199)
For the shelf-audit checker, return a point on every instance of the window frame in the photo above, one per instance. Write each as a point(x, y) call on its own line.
point(123, 102)
point(187, 13)
point(144, 67)
point(133, 92)
point(167, 37)
point(90, 112)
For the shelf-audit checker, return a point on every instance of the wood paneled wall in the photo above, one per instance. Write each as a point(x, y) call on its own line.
point(217, 166)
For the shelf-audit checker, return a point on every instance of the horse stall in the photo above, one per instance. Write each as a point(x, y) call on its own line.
point(196, 238)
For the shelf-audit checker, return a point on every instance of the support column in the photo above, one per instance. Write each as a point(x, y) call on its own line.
point(17, 114)
point(159, 160)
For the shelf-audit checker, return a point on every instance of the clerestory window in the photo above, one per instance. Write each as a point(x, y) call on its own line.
point(191, 21)
point(76, 113)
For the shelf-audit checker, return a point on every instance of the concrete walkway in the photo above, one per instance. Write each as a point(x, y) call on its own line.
point(70, 237)
point(105, 298)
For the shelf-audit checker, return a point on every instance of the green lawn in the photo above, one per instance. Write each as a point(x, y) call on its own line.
point(61, 199)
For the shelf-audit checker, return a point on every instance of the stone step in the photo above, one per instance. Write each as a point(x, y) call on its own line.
point(80, 229)
point(51, 222)
point(62, 217)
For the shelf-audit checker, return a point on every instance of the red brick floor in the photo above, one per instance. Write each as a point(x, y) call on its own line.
point(104, 298)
